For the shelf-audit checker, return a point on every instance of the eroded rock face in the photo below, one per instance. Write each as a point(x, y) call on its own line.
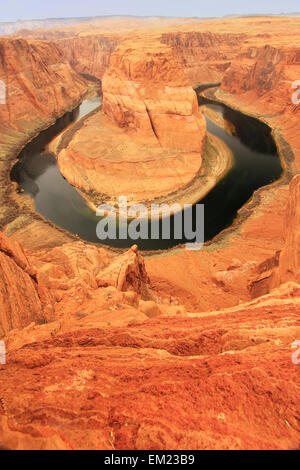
point(89, 54)
point(145, 90)
point(22, 300)
point(33, 283)
point(103, 159)
point(39, 83)
point(205, 56)
point(289, 259)
point(224, 380)
point(265, 75)
point(77, 264)
point(37, 86)
point(151, 127)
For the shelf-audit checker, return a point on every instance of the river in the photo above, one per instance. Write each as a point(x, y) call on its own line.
point(256, 164)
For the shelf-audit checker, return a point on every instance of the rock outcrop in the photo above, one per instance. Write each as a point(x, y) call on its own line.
point(32, 284)
point(106, 351)
point(89, 54)
point(146, 91)
point(22, 300)
point(152, 128)
point(289, 258)
point(206, 55)
point(37, 86)
point(221, 380)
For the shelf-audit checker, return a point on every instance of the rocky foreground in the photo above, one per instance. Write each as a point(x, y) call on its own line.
point(178, 351)
point(149, 139)
point(96, 359)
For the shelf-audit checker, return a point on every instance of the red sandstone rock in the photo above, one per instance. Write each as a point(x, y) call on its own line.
point(20, 299)
point(221, 381)
point(160, 130)
point(89, 54)
point(204, 55)
point(289, 259)
point(146, 90)
point(39, 86)
point(103, 376)
point(39, 83)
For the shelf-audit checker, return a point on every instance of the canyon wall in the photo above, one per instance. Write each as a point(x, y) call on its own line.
point(205, 56)
point(145, 90)
point(22, 300)
point(264, 75)
point(289, 259)
point(89, 54)
point(39, 83)
point(38, 86)
point(261, 81)
point(150, 126)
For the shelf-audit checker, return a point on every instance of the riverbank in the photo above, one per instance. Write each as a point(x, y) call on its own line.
point(18, 217)
point(156, 170)
point(216, 162)
point(246, 248)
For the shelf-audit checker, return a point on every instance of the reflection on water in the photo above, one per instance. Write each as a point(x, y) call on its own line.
point(256, 164)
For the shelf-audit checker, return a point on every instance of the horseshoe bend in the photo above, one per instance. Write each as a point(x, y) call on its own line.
point(131, 344)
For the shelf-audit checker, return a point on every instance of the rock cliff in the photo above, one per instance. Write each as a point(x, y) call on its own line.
point(39, 83)
point(289, 258)
point(147, 91)
point(32, 284)
point(151, 127)
point(108, 351)
point(22, 300)
point(205, 56)
point(89, 54)
point(37, 86)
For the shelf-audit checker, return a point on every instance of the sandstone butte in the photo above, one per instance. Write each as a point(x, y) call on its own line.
point(149, 141)
point(186, 350)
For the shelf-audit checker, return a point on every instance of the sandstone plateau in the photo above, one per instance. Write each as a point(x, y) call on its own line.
point(181, 350)
point(147, 95)
point(40, 86)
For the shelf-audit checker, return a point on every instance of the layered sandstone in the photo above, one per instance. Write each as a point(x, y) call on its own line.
point(260, 82)
point(147, 91)
point(105, 162)
point(39, 83)
point(264, 75)
point(38, 86)
point(152, 128)
point(219, 380)
point(32, 283)
point(89, 54)
point(204, 55)
point(122, 364)
point(289, 258)
point(22, 300)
